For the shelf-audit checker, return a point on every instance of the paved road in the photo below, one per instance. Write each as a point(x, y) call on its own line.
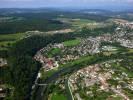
point(70, 90)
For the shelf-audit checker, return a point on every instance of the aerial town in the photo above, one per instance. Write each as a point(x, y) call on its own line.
point(86, 46)
point(66, 54)
point(104, 78)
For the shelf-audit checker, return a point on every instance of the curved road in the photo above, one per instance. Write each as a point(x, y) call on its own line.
point(42, 91)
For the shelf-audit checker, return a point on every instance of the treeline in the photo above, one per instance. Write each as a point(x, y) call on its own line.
point(17, 26)
point(23, 69)
point(95, 17)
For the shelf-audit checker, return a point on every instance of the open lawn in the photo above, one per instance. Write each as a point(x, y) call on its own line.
point(72, 42)
point(46, 74)
point(130, 50)
point(10, 37)
point(56, 96)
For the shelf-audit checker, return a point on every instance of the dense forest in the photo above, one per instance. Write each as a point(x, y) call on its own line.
point(23, 69)
point(24, 25)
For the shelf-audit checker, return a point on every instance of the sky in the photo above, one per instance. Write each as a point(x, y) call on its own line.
point(66, 3)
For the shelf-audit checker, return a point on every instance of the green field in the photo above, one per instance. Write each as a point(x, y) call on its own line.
point(72, 42)
point(76, 23)
point(56, 96)
point(81, 22)
point(53, 52)
point(130, 50)
point(46, 74)
point(7, 39)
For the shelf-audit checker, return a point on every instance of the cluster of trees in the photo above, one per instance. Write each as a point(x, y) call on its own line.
point(3, 53)
point(23, 69)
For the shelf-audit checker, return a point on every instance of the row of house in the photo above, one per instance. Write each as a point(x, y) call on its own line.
point(124, 23)
point(89, 45)
point(100, 74)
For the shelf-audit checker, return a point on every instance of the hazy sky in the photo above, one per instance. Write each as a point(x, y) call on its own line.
point(66, 3)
